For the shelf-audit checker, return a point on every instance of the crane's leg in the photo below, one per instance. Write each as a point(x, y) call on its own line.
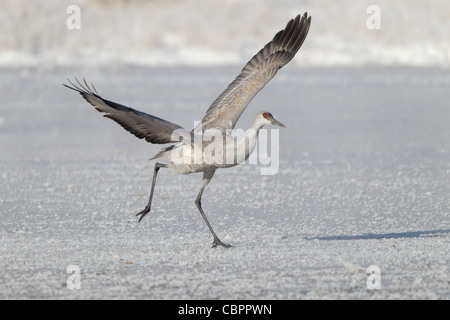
point(207, 176)
point(149, 205)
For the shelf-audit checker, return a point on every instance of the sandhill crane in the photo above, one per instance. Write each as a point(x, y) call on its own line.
point(221, 117)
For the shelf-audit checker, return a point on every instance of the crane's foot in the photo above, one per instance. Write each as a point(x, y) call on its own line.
point(143, 213)
point(217, 242)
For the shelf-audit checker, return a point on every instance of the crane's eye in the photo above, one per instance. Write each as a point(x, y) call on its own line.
point(267, 115)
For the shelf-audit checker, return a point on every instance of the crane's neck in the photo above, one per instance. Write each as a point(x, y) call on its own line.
point(248, 142)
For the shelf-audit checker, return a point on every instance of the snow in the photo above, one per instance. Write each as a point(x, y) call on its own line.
point(363, 181)
point(213, 33)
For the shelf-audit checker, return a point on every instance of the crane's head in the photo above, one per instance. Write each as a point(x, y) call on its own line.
point(265, 118)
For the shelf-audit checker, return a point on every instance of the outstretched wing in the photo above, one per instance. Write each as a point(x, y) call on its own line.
point(228, 107)
point(142, 125)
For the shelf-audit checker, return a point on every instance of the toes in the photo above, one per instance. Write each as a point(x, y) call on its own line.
point(217, 242)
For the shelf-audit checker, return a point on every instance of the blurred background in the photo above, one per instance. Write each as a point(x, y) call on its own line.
point(220, 32)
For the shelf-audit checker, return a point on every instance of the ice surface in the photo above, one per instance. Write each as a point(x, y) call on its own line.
point(363, 180)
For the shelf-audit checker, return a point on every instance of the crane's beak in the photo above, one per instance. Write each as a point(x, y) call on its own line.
point(277, 123)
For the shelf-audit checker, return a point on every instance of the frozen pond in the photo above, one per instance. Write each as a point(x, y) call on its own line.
point(363, 180)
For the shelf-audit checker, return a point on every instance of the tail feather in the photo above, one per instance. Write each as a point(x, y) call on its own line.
point(162, 153)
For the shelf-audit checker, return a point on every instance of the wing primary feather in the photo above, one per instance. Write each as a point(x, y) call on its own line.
point(226, 110)
point(140, 124)
point(287, 35)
